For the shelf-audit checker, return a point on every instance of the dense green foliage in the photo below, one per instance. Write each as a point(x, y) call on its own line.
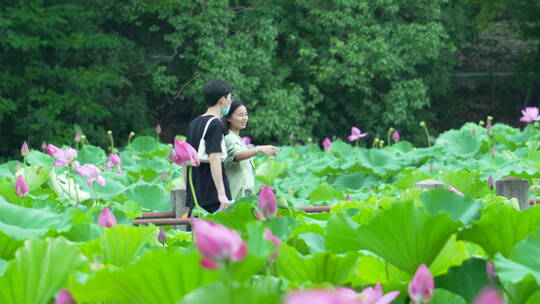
point(319, 66)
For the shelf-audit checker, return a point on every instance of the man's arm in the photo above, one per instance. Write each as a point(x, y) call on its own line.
point(215, 169)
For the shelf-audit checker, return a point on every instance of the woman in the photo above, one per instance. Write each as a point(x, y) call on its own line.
point(238, 165)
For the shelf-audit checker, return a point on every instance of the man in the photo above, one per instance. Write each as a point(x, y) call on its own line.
point(209, 179)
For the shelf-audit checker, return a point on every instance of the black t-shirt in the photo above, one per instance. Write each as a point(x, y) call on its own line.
point(202, 176)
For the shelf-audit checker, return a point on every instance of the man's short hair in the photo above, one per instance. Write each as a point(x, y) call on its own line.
point(214, 90)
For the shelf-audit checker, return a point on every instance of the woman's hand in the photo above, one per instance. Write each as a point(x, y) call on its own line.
point(268, 150)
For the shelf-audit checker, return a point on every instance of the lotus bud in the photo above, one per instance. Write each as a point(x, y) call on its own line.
point(267, 202)
point(164, 176)
point(490, 269)
point(490, 182)
point(395, 136)
point(131, 135)
point(109, 132)
point(77, 137)
point(162, 236)
point(473, 132)
point(21, 187)
point(106, 218)
point(422, 285)
point(64, 297)
point(24, 149)
point(326, 143)
point(493, 152)
point(422, 124)
point(158, 129)
point(44, 146)
point(83, 138)
point(489, 118)
point(488, 295)
point(381, 144)
point(348, 197)
point(481, 123)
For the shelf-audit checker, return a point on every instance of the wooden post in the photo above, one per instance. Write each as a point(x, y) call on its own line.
point(514, 187)
point(178, 206)
point(428, 184)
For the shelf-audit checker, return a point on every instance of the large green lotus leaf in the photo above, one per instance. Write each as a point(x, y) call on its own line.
point(342, 149)
point(37, 158)
point(35, 176)
point(501, 227)
point(323, 165)
point(148, 175)
point(143, 144)
point(89, 154)
point(407, 179)
point(414, 236)
point(152, 197)
point(224, 293)
point(317, 268)
point(8, 246)
point(466, 182)
point(120, 245)
point(83, 232)
point(460, 208)
point(460, 143)
point(522, 262)
point(268, 171)
point(39, 270)
point(236, 217)
point(380, 162)
point(155, 164)
point(526, 291)
point(466, 280)
point(441, 296)
point(355, 181)
point(159, 276)
point(452, 254)
point(21, 223)
point(370, 270)
point(325, 192)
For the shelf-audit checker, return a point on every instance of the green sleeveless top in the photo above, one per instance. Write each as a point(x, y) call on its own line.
point(240, 173)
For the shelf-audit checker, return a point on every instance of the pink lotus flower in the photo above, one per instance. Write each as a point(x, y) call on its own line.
point(158, 129)
point(327, 143)
point(64, 297)
point(106, 218)
point(267, 203)
point(488, 295)
point(375, 295)
point(530, 114)
point(395, 136)
point(421, 286)
point(356, 134)
point(21, 187)
point(453, 189)
point(64, 157)
point(218, 244)
point(185, 154)
point(319, 296)
point(91, 173)
point(275, 241)
point(114, 160)
point(24, 149)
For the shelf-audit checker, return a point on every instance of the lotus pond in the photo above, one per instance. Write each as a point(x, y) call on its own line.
point(381, 235)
